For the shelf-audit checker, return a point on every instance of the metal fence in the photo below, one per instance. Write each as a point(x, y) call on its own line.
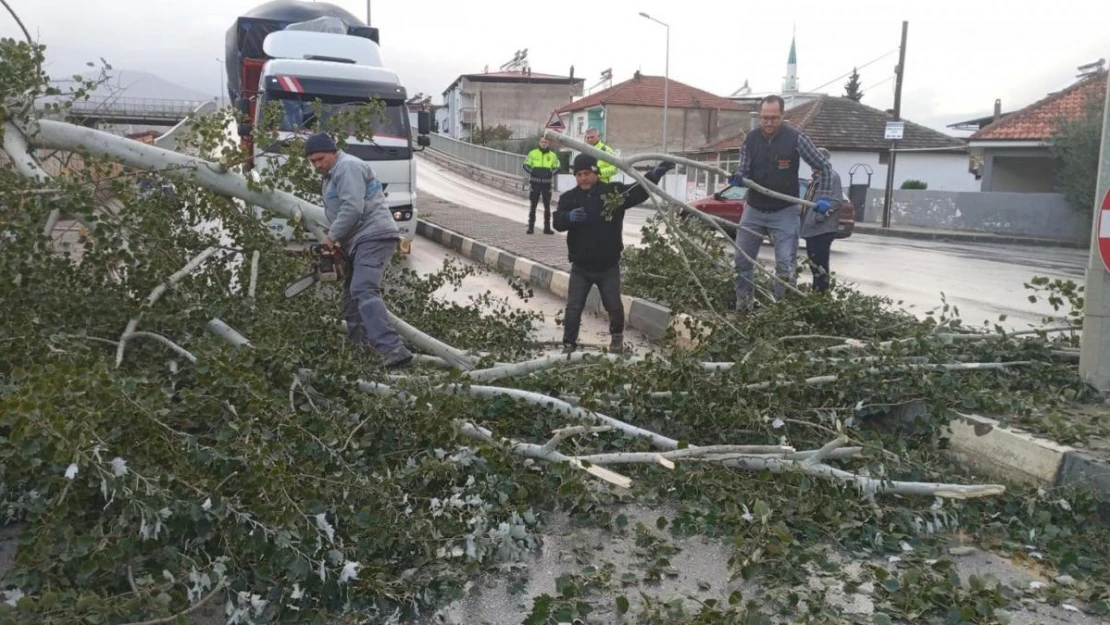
point(498, 160)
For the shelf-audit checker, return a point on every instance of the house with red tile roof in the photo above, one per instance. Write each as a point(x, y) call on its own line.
point(1015, 148)
point(629, 115)
point(521, 100)
point(853, 133)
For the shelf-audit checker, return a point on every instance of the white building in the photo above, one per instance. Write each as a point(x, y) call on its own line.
point(520, 100)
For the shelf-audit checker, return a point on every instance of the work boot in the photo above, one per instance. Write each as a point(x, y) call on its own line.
point(568, 348)
point(399, 360)
point(531, 230)
point(616, 344)
point(548, 230)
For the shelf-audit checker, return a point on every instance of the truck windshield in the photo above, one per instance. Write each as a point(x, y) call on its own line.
point(303, 112)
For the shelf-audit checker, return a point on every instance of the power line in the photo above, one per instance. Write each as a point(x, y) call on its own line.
point(845, 75)
point(885, 80)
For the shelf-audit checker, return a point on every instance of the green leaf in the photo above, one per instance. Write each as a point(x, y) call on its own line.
point(881, 619)
point(622, 604)
point(661, 523)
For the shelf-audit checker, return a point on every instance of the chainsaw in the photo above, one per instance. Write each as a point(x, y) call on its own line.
point(328, 265)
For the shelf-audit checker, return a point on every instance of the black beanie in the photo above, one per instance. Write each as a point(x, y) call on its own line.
point(319, 142)
point(585, 162)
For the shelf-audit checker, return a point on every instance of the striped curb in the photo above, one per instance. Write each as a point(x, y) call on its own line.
point(648, 317)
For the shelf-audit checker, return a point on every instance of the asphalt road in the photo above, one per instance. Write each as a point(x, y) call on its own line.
point(983, 281)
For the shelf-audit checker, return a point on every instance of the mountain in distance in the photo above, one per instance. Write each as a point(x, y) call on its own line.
point(125, 83)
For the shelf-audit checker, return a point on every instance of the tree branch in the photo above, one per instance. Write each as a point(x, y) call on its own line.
point(165, 341)
point(156, 294)
point(193, 608)
point(254, 275)
point(26, 33)
point(626, 166)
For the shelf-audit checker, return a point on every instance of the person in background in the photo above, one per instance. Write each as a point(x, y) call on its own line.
point(819, 226)
point(770, 156)
point(542, 164)
point(363, 229)
point(592, 215)
point(606, 171)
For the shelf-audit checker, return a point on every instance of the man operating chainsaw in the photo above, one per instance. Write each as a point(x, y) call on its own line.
point(362, 234)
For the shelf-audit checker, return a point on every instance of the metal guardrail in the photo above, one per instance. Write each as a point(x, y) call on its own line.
point(498, 160)
point(108, 106)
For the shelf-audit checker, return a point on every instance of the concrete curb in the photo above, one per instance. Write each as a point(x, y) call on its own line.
point(966, 237)
point(648, 317)
point(1014, 454)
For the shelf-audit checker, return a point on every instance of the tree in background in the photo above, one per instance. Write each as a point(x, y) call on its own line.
point(1075, 144)
point(852, 87)
point(485, 135)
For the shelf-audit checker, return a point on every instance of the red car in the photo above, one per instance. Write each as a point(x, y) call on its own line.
point(728, 203)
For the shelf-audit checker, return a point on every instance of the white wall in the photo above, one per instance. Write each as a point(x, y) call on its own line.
point(443, 118)
point(842, 163)
point(942, 172)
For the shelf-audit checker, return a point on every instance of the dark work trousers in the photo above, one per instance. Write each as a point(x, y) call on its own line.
point(368, 321)
point(818, 249)
point(608, 283)
point(539, 190)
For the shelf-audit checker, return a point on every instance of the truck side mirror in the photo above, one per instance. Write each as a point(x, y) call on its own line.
point(244, 130)
point(423, 141)
point(423, 123)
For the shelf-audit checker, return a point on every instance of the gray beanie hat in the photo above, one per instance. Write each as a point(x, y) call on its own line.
point(319, 142)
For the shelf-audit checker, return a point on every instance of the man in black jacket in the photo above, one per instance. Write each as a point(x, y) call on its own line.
point(592, 215)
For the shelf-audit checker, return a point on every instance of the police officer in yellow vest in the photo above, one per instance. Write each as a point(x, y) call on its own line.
point(542, 164)
point(606, 171)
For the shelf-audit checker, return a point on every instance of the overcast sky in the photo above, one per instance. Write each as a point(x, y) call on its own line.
point(960, 55)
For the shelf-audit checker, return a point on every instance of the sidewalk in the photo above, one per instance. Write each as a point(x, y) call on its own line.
point(494, 231)
point(956, 236)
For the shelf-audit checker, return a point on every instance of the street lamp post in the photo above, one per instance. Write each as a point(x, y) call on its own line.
point(222, 90)
point(666, 77)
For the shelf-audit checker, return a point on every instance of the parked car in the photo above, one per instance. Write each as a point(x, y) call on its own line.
point(728, 203)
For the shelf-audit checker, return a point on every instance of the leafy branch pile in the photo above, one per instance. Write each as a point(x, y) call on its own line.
point(180, 442)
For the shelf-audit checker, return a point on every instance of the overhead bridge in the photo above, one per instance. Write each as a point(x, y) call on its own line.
point(138, 111)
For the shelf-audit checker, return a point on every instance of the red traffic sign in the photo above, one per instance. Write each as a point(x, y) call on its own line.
point(556, 123)
point(1104, 231)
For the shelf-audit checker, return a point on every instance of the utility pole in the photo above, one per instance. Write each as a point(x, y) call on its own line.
point(900, 73)
point(368, 23)
point(1094, 355)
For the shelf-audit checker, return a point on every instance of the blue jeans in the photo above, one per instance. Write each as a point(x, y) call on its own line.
point(783, 227)
point(367, 319)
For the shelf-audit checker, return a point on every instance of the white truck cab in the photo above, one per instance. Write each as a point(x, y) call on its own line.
point(315, 69)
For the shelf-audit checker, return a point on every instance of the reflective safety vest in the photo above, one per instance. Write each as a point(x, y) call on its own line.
point(542, 165)
point(605, 170)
